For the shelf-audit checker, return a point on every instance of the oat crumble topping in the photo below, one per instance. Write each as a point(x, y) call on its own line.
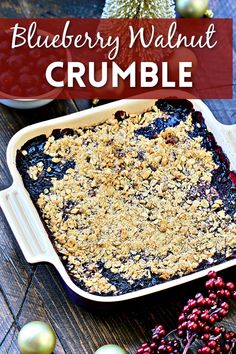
point(126, 203)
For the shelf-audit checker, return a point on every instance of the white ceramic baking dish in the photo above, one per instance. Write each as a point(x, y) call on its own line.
point(24, 218)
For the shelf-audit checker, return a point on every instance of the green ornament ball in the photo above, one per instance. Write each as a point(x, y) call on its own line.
point(37, 337)
point(110, 349)
point(192, 8)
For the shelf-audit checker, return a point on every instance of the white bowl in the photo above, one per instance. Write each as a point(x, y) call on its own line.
point(25, 103)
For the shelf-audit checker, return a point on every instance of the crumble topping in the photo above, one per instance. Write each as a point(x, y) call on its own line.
point(34, 171)
point(130, 202)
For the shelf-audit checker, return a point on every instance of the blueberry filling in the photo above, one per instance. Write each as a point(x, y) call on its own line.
point(35, 154)
point(177, 110)
point(223, 178)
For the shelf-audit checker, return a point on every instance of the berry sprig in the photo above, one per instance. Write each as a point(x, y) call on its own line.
point(199, 320)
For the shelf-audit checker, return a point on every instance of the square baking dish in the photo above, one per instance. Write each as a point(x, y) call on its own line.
point(26, 223)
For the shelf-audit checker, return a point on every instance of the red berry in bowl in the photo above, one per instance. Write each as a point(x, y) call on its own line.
point(6, 81)
point(35, 53)
point(28, 81)
point(25, 69)
point(3, 58)
point(16, 61)
point(32, 91)
point(42, 63)
point(52, 58)
point(4, 45)
point(16, 91)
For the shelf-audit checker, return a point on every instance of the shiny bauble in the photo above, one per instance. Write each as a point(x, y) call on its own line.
point(110, 349)
point(37, 337)
point(192, 8)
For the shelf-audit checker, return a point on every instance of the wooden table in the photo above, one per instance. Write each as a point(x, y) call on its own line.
point(34, 292)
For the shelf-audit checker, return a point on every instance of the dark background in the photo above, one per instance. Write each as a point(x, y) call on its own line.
point(34, 292)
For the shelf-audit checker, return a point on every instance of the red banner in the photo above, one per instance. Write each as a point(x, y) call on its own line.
point(88, 58)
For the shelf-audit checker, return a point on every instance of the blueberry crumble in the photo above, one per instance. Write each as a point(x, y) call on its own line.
point(135, 201)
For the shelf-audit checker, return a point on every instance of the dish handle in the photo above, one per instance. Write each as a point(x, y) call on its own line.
point(25, 224)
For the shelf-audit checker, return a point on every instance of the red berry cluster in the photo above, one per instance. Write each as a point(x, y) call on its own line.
point(159, 343)
point(199, 321)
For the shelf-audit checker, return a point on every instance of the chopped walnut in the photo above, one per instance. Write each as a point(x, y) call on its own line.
point(172, 139)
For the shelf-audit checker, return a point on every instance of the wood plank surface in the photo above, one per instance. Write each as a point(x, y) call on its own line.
point(35, 292)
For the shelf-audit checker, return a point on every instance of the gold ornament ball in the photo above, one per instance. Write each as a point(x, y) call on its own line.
point(37, 337)
point(192, 8)
point(110, 349)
